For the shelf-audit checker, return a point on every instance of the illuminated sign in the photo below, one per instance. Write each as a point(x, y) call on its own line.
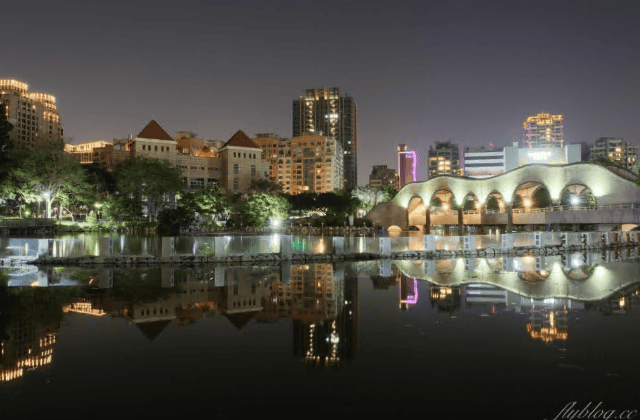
point(539, 155)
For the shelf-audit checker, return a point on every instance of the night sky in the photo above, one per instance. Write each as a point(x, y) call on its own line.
point(468, 71)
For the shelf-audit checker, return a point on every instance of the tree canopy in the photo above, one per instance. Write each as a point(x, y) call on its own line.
point(150, 178)
point(257, 209)
point(50, 173)
point(207, 203)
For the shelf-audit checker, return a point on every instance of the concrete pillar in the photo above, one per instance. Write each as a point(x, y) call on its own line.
point(427, 226)
point(167, 277)
point(507, 241)
point(168, 246)
point(43, 277)
point(105, 247)
point(218, 276)
point(106, 278)
point(469, 265)
point(285, 272)
point(219, 246)
point(470, 243)
point(338, 245)
point(385, 246)
point(429, 243)
point(384, 268)
point(446, 230)
point(509, 208)
point(285, 245)
point(460, 221)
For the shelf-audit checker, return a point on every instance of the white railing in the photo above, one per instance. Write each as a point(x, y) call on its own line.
point(579, 208)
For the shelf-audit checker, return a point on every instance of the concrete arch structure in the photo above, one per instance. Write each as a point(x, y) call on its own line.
point(607, 186)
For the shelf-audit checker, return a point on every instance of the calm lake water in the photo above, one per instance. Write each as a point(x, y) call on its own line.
point(452, 338)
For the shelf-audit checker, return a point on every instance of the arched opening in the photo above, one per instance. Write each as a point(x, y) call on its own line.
point(495, 203)
point(394, 231)
point(577, 196)
point(417, 213)
point(531, 195)
point(443, 213)
point(442, 201)
point(578, 267)
point(470, 202)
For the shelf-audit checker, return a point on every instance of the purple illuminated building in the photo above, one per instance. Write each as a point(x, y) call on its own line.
point(406, 165)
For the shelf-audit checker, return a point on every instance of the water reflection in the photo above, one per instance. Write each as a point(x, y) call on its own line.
point(320, 317)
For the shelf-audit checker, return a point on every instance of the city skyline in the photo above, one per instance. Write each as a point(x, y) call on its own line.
point(466, 72)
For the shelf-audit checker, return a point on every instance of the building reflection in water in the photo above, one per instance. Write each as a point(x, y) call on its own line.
point(29, 345)
point(321, 299)
point(407, 291)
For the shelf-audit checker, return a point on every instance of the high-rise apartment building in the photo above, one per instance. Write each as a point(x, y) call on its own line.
point(406, 165)
point(381, 176)
point(616, 150)
point(543, 130)
point(444, 159)
point(34, 115)
point(305, 163)
point(330, 113)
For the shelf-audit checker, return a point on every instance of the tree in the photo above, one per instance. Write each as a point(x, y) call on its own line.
point(171, 220)
point(493, 204)
point(370, 196)
point(119, 206)
point(207, 203)
point(154, 179)
point(518, 202)
point(256, 209)
point(391, 192)
point(542, 198)
point(48, 172)
point(264, 185)
point(469, 204)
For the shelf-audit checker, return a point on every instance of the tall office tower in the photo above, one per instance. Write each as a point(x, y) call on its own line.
point(327, 112)
point(444, 159)
point(406, 165)
point(543, 130)
point(33, 114)
point(616, 150)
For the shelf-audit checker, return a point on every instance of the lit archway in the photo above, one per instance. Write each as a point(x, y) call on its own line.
point(531, 195)
point(442, 201)
point(495, 203)
point(577, 196)
point(470, 202)
point(417, 213)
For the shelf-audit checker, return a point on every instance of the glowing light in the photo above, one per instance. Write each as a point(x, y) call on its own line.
point(527, 203)
point(575, 200)
point(543, 156)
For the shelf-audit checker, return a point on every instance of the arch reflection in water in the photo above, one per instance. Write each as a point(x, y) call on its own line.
point(320, 299)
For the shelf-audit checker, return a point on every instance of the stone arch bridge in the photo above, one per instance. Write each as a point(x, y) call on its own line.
point(577, 194)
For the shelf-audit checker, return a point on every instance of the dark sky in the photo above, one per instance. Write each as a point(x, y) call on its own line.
point(469, 71)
